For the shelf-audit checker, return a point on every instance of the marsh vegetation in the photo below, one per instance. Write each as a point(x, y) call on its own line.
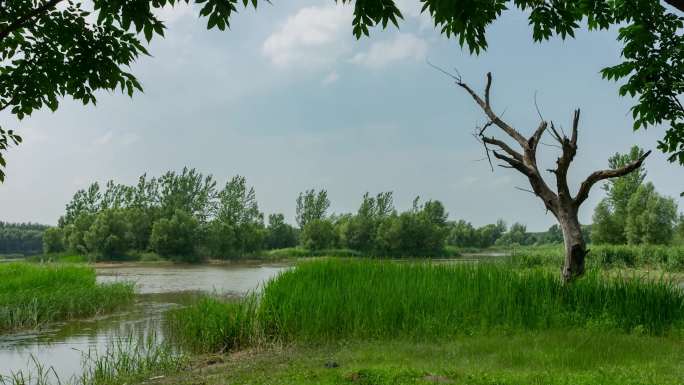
point(34, 295)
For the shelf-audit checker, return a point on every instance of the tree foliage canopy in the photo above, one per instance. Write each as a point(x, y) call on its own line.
point(56, 48)
point(633, 212)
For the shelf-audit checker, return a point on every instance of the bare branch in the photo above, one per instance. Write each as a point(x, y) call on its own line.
point(484, 144)
point(487, 125)
point(575, 123)
point(456, 77)
point(502, 145)
point(526, 190)
point(555, 134)
point(600, 175)
point(536, 137)
point(523, 160)
point(536, 106)
point(488, 87)
point(484, 104)
point(551, 145)
point(520, 166)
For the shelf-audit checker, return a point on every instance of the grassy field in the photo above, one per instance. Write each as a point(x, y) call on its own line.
point(32, 295)
point(539, 358)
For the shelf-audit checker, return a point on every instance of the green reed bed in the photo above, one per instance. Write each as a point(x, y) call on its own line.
point(359, 299)
point(32, 295)
point(211, 325)
point(130, 360)
point(669, 258)
point(338, 299)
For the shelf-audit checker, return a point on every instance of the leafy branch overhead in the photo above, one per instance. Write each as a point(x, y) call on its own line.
point(7, 138)
point(56, 48)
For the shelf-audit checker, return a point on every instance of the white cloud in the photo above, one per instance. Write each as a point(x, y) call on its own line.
point(104, 139)
point(129, 138)
point(331, 78)
point(403, 46)
point(313, 37)
point(113, 138)
point(170, 14)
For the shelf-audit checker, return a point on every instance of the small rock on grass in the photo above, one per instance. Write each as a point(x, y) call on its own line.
point(437, 379)
point(332, 365)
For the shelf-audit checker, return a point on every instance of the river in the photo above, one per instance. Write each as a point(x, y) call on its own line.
point(159, 288)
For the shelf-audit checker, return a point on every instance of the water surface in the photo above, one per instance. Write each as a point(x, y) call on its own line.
point(160, 288)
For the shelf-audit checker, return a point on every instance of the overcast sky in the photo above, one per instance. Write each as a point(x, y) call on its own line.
point(289, 99)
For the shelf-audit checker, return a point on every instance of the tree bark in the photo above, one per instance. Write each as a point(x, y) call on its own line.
point(575, 247)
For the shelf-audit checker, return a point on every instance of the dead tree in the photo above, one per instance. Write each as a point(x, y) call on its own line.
point(560, 202)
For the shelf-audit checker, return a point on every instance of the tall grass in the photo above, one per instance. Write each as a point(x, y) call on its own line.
point(211, 325)
point(358, 299)
point(39, 374)
point(130, 360)
point(669, 258)
point(339, 299)
point(32, 295)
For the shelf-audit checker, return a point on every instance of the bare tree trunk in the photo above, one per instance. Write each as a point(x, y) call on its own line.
point(575, 247)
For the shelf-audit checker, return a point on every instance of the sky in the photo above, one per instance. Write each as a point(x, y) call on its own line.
point(291, 100)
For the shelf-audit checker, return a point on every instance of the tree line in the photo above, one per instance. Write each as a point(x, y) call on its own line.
point(463, 234)
point(21, 238)
point(184, 216)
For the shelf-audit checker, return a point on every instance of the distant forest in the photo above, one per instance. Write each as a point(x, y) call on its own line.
point(21, 238)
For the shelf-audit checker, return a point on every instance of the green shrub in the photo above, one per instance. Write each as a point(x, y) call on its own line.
point(318, 234)
point(177, 237)
point(53, 240)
